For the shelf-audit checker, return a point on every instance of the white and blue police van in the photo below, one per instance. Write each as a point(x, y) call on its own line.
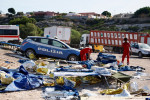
point(50, 47)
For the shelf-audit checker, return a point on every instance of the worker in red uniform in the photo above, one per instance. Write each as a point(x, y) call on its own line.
point(85, 53)
point(126, 52)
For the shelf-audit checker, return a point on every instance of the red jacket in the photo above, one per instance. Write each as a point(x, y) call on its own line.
point(84, 52)
point(126, 47)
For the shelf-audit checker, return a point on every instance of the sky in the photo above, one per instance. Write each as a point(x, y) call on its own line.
point(78, 6)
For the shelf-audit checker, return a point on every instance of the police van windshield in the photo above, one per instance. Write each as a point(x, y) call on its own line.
point(144, 46)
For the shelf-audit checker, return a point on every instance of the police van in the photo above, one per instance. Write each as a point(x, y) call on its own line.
point(140, 49)
point(49, 47)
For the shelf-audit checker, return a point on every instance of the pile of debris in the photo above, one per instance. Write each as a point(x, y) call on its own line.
point(60, 80)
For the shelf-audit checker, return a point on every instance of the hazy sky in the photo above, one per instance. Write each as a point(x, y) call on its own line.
point(98, 6)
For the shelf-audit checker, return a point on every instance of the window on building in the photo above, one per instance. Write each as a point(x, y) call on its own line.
point(95, 40)
point(92, 40)
point(113, 42)
point(131, 36)
point(111, 35)
point(99, 41)
point(123, 36)
point(102, 40)
point(116, 42)
point(115, 35)
point(120, 42)
point(101, 34)
point(98, 34)
point(119, 36)
point(109, 41)
point(105, 41)
point(127, 36)
point(104, 34)
point(91, 33)
point(95, 34)
point(108, 34)
point(135, 36)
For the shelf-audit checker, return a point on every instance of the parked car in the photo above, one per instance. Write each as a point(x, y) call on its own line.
point(49, 47)
point(141, 49)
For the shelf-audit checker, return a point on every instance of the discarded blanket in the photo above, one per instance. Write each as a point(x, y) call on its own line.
point(106, 58)
point(60, 93)
point(127, 68)
point(73, 70)
point(24, 81)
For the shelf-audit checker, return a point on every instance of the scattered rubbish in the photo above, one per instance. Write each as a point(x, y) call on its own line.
point(106, 58)
point(140, 74)
point(61, 80)
point(90, 79)
point(5, 78)
point(87, 93)
point(29, 65)
point(75, 81)
point(124, 93)
point(60, 92)
point(111, 91)
point(23, 81)
point(133, 87)
point(103, 71)
point(146, 89)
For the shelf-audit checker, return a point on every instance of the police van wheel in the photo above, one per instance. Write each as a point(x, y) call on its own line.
point(28, 52)
point(140, 54)
point(73, 58)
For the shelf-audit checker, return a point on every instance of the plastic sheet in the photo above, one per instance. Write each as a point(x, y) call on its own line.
point(124, 93)
point(60, 93)
point(133, 87)
point(91, 79)
point(111, 91)
point(43, 71)
point(24, 81)
point(29, 65)
point(77, 80)
point(106, 58)
point(5, 78)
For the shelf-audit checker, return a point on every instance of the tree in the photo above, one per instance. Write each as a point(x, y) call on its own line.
point(75, 37)
point(20, 13)
point(142, 12)
point(29, 29)
point(106, 13)
point(22, 20)
point(12, 11)
point(133, 28)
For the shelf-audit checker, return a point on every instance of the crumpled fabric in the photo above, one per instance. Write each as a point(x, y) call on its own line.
point(106, 58)
point(43, 71)
point(60, 92)
point(29, 65)
point(24, 81)
point(88, 63)
point(5, 78)
point(111, 91)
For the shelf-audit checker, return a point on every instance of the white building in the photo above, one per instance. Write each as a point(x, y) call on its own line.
point(123, 15)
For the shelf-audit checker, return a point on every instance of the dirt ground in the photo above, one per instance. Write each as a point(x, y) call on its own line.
point(36, 94)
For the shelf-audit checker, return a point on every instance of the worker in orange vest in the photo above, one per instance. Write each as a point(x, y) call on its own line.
point(85, 53)
point(126, 51)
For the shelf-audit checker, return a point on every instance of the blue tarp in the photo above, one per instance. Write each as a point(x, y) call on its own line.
point(65, 90)
point(128, 68)
point(24, 81)
point(106, 58)
point(11, 44)
point(73, 70)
